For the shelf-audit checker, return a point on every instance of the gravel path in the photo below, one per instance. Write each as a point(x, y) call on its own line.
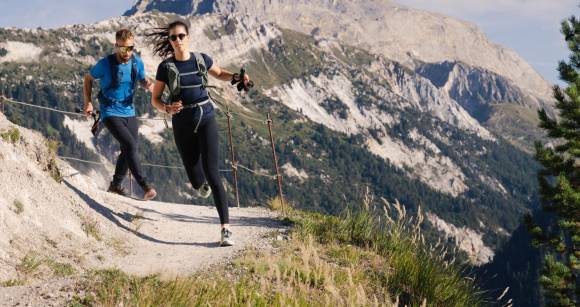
point(78, 224)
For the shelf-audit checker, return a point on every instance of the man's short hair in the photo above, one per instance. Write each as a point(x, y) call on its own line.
point(123, 35)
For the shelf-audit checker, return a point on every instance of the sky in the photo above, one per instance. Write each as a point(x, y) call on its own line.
point(530, 27)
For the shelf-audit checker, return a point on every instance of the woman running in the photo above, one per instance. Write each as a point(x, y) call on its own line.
point(194, 126)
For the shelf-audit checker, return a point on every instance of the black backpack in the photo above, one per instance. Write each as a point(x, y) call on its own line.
point(115, 82)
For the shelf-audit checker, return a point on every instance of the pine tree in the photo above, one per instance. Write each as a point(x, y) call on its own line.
point(559, 181)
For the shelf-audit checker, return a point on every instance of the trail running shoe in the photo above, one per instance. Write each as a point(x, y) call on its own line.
point(117, 190)
point(203, 192)
point(150, 193)
point(226, 238)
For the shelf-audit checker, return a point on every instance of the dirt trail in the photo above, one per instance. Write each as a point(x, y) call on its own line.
point(78, 224)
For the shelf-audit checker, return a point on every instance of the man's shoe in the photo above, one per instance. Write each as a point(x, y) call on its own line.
point(226, 238)
point(117, 190)
point(150, 193)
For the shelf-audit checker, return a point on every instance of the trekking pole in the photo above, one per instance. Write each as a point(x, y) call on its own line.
point(276, 164)
point(130, 184)
point(233, 156)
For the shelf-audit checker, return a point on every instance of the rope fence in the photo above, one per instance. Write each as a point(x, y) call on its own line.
point(234, 164)
point(6, 99)
point(157, 165)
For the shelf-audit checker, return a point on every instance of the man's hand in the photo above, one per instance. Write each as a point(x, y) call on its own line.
point(88, 109)
point(173, 108)
point(147, 84)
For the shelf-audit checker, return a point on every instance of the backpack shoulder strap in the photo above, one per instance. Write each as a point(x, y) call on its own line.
point(114, 66)
point(173, 80)
point(134, 70)
point(201, 68)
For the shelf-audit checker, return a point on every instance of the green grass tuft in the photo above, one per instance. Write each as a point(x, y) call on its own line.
point(60, 269)
point(29, 264)
point(91, 228)
point(12, 283)
point(18, 206)
point(52, 166)
point(11, 135)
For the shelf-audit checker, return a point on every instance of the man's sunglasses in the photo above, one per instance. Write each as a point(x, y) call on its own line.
point(126, 48)
point(174, 37)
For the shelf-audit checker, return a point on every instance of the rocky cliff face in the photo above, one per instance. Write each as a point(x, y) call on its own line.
point(477, 89)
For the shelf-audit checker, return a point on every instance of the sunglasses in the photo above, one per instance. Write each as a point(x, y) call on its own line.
point(174, 37)
point(126, 48)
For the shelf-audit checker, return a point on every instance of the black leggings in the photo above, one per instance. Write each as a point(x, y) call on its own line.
point(203, 144)
point(124, 130)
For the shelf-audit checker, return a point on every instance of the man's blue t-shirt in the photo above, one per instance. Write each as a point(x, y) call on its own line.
point(119, 100)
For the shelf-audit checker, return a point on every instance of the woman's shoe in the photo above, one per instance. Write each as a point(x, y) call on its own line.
point(226, 237)
point(203, 192)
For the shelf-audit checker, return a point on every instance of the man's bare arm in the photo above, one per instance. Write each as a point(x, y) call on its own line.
point(87, 93)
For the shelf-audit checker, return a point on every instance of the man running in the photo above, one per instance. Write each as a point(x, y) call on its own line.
point(118, 74)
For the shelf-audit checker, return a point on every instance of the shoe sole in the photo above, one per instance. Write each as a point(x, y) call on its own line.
point(203, 195)
point(126, 195)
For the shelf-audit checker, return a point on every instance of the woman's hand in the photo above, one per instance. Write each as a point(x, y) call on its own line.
point(174, 108)
point(244, 84)
point(236, 78)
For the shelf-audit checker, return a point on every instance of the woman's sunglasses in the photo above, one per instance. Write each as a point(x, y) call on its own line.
point(174, 37)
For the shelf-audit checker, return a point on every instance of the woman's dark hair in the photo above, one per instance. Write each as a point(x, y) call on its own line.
point(159, 38)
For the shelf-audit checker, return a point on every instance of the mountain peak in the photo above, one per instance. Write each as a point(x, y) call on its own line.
point(200, 7)
point(181, 7)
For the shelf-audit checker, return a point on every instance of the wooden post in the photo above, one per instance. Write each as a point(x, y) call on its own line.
point(276, 163)
point(2, 101)
point(233, 157)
